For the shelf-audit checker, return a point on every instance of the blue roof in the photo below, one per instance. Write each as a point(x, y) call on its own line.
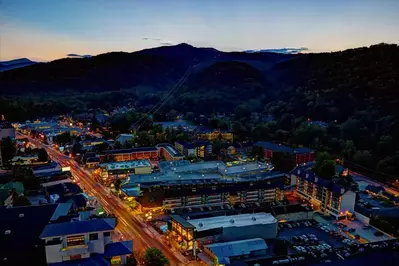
point(94, 260)
point(305, 172)
point(118, 249)
point(71, 228)
point(77, 200)
point(64, 189)
point(375, 189)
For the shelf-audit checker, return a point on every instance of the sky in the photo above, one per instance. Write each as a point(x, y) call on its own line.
point(45, 30)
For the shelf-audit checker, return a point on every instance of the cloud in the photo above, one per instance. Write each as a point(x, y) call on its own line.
point(281, 50)
point(78, 55)
point(166, 43)
point(151, 39)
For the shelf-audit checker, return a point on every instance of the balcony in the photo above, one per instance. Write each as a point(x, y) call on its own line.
point(75, 250)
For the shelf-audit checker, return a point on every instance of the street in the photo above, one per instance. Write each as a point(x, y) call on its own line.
point(129, 226)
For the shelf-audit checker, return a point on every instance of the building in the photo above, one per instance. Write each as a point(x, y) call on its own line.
point(291, 213)
point(228, 252)
point(84, 240)
point(199, 148)
point(215, 135)
point(181, 184)
point(132, 154)
point(324, 195)
point(46, 168)
point(121, 170)
point(169, 152)
point(124, 138)
point(92, 162)
point(244, 147)
point(6, 130)
point(196, 233)
point(298, 155)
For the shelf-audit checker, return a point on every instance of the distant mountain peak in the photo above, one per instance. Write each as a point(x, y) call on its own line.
point(15, 63)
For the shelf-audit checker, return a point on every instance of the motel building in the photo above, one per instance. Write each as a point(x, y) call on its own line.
point(169, 152)
point(121, 170)
point(181, 184)
point(84, 242)
point(141, 153)
point(193, 235)
point(324, 195)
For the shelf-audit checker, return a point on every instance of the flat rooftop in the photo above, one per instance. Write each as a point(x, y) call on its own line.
point(125, 165)
point(239, 220)
point(237, 248)
point(171, 178)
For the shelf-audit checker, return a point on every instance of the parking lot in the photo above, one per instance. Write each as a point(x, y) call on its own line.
point(365, 233)
point(322, 236)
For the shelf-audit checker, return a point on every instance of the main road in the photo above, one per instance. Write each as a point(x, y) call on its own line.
point(128, 224)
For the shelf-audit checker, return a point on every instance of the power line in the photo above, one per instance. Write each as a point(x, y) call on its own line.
point(168, 97)
point(177, 85)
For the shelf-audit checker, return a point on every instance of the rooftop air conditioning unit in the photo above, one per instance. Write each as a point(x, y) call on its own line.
point(231, 221)
point(200, 224)
point(253, 218)
point(21, 215)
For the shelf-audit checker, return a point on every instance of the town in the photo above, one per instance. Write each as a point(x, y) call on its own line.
point(78, 190)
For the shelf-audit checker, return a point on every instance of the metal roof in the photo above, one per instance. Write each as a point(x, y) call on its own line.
point(282, 148)
point(237, 248)
point(118, 249)
point(126, 165)
point(239, 220)
point(80, 227)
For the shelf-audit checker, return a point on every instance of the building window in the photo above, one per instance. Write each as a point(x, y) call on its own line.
point(75, 240)
point(107, 234)
point(93, 236)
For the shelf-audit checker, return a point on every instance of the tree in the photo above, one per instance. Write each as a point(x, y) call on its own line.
point(21, 200)
point(117, 184)
point(363, 158)
point(324, 166)
point(102, 147)
point(131, 261)
point(8, 149)
point(42, 155)
point(257, 152)
point(154, 257)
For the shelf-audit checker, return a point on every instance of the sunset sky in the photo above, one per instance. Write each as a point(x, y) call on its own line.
point(50, 29)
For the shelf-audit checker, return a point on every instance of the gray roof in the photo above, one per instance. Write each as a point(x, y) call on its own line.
point(239, 220)
point(237, 248)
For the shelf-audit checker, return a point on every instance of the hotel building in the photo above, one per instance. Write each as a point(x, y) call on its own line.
point(132, 154)
point(324, 195)
point(181, 184)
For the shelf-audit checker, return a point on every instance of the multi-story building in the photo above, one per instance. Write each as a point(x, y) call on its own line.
point(180, 184)
point(195, 233)
point(84, 239)
point(324, 195)
point(132, 154)
point(298, 155)
point(169, 152)
point(199, 148)
point(121, 170)
point(215, 135)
